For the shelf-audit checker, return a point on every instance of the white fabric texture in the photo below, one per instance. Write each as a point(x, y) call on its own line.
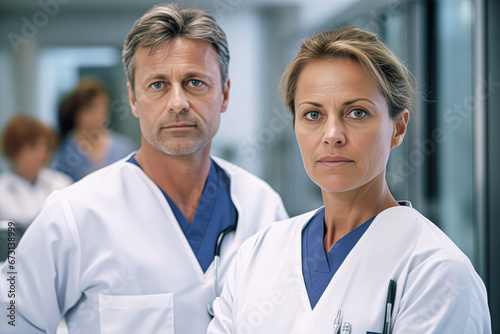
point(437, 290)
point(108, 254)
point(22, 200)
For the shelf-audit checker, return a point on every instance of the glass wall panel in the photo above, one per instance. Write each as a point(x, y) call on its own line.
point(454, 197)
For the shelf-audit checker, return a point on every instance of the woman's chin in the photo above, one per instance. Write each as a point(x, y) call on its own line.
point(335, 185)
point(337, 188)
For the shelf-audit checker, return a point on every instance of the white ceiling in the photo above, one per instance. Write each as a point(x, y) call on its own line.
point(90, 4)
point(107, 22)
point(312, 11)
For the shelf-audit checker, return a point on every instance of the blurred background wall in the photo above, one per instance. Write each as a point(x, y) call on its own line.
point(446, 166)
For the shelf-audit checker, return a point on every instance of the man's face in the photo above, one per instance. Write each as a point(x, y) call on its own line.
point(178, 95)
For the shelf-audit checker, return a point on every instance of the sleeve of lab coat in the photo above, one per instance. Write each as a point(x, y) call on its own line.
point(47, 267)
point(442, 295)
point(222, 322)
point(224, 307)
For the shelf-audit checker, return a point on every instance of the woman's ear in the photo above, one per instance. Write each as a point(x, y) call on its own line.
point(400, 125)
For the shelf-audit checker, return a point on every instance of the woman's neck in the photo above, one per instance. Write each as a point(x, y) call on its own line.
point(345, 211)
point(94, 143)
point(28, 175)
point(93, 137)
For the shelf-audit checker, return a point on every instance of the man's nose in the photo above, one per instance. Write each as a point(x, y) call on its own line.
point(178, 101)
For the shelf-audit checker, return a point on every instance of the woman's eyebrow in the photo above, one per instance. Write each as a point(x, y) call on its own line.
point(357, 100)
point(316, 104)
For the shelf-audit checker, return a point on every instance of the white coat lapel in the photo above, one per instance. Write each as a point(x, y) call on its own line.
point(179, 241)
point(359, 287)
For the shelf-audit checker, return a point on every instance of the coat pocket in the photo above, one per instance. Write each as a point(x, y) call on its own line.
point(137, 314)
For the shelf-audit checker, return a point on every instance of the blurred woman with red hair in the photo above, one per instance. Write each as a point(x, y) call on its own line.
point(28, 145)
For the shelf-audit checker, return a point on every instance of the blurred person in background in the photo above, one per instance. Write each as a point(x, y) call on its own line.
point(28, 145)
point(87, 143)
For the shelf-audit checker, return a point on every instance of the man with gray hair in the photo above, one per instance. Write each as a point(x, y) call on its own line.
point(130, 248)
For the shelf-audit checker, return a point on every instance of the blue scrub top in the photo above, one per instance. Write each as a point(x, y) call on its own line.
point(71, 159)
point(318, 268)
point(215, 210)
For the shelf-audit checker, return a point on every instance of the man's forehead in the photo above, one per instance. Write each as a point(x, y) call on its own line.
point(178, 46)
point(190, 54)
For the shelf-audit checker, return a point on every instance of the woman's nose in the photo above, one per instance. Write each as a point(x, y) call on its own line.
point(334, 133)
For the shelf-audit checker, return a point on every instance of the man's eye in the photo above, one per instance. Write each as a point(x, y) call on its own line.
point(157, 85)
point(312, 115)
point(195, 83)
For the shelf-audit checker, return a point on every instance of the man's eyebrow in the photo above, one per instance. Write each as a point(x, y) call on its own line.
point(187, 76)
point(201, 75)
point(156, 77)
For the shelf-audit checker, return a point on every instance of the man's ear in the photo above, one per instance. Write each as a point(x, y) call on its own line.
point(131, 99)
point(225, 95)
point(400, 126)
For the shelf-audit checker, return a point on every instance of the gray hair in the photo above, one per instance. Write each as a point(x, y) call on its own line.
point(164, 22)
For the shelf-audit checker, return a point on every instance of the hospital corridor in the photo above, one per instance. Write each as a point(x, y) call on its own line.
point(249, 166)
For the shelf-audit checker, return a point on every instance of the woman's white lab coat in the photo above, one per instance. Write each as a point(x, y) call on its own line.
point(21, 200)
point(108, 252)
point(437, 290)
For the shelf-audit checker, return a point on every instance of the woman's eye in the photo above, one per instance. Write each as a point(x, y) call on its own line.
point(157, 85)
point(357, 113)
point(312, 115)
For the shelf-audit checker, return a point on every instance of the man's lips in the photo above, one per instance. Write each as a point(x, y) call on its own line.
point(180, 125)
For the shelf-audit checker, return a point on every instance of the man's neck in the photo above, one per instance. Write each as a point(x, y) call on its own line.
point(182, 178)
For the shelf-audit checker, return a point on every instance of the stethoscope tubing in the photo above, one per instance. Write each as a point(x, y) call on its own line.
point(218, 245)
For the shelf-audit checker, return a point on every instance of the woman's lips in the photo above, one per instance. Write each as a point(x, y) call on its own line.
point(334, 161)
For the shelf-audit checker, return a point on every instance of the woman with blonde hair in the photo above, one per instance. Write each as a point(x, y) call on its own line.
point(364, 262)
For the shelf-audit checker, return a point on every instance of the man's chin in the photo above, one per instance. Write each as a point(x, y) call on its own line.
point(181, 150)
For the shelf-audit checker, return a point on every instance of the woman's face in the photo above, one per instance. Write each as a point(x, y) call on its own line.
point(32, 157)
point(94, 115)
point(343, 126)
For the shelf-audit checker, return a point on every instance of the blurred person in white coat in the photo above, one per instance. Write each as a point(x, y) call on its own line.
point(364, 262)
point(28, 145)
point(130, 248)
